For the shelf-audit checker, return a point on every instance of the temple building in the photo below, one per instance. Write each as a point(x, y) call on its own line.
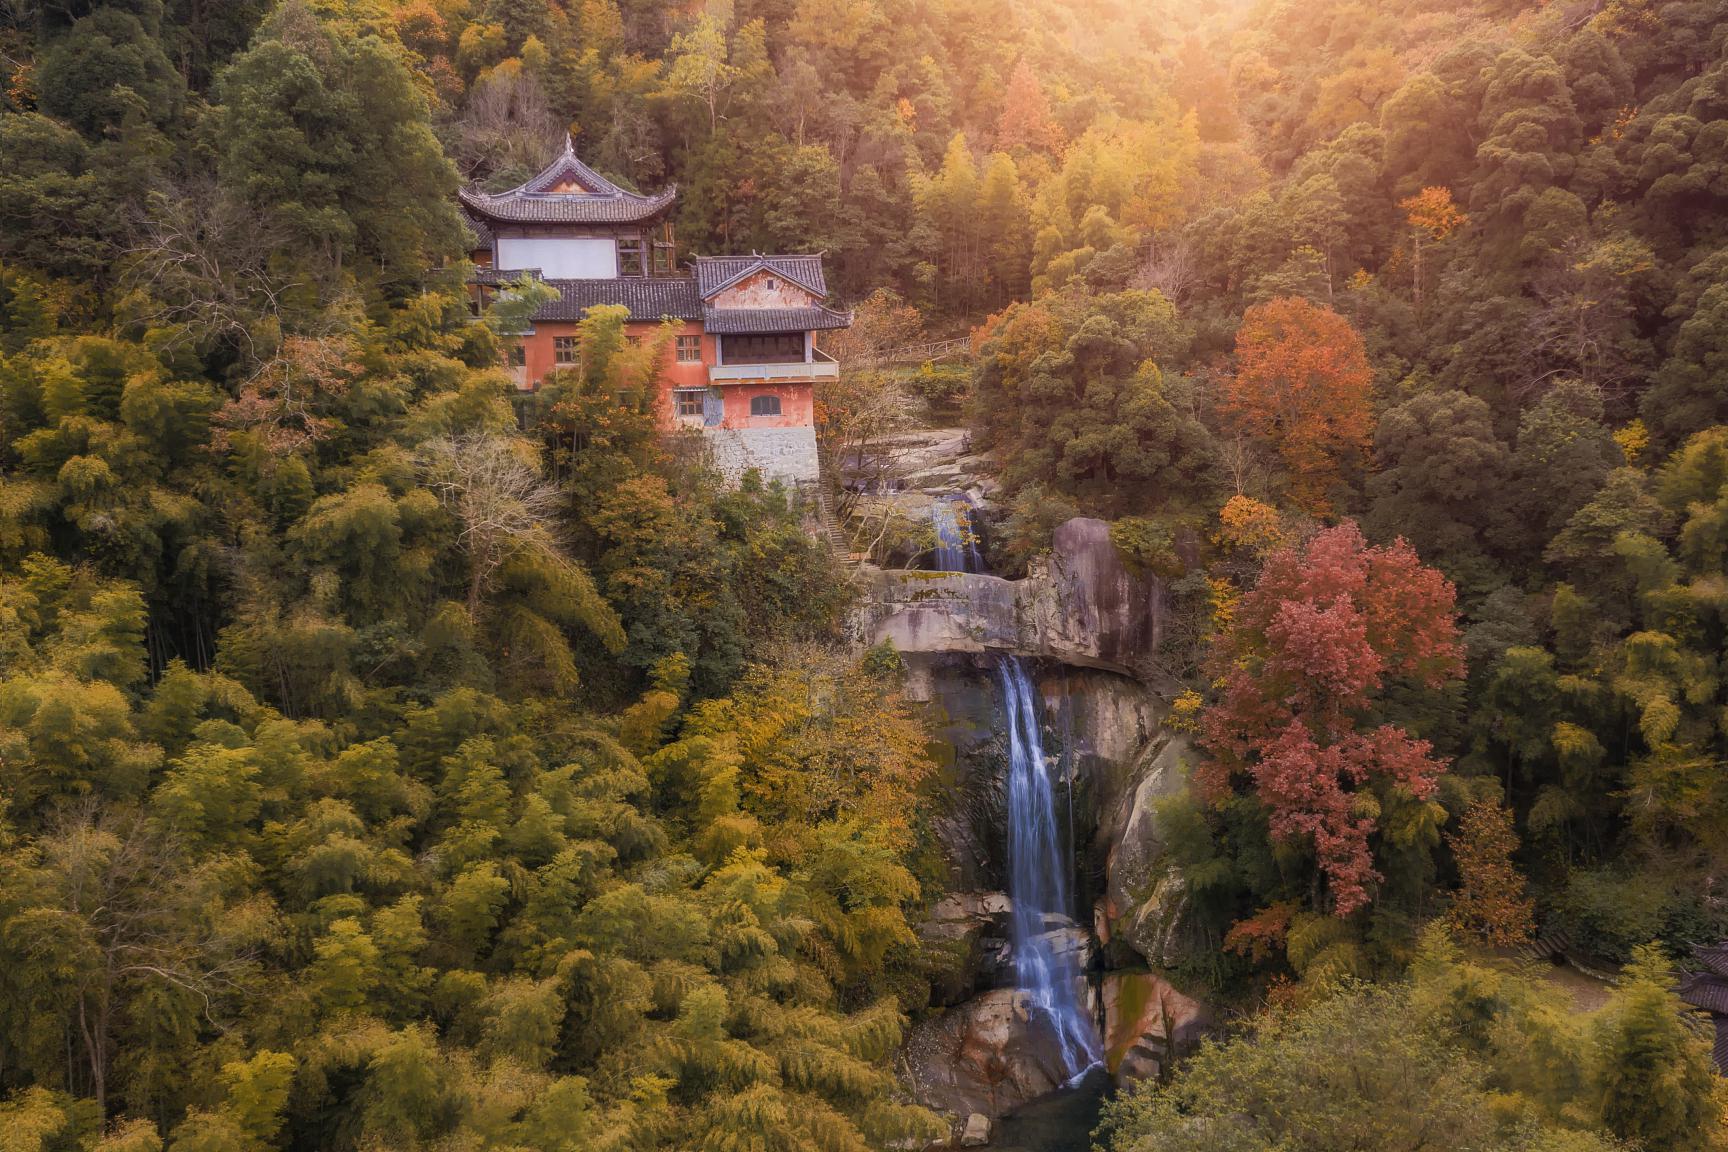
point(1706, 989)
point(744, 360)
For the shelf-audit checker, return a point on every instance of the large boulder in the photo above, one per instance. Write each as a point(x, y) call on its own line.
point(1081, 605)
point(989, 1055)
point(1094, 608)
point(1147, 1022)
point(970, 931)
point(1143, 896)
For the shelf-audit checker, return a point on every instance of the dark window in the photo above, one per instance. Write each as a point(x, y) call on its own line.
point(689, 349)
point(518, 355)
point(630, 257)
point(764, 405)
point(770, 348)
point(772, 283)
point(663, 259)
point(564, 350)
point(689, 401)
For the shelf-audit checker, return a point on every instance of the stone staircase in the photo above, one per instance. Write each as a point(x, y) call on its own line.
point(1544, 947)
point(831, 531)
point(1553, 948)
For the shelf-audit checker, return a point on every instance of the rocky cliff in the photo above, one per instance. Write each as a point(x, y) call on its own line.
point(1080, 605)
point(1090, 630)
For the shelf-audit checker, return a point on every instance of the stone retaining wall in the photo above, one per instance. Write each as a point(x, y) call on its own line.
point(787, 454)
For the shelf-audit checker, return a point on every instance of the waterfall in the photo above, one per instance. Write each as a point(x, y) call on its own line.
point(1038, 868)
point(956, 542)
point(1039, 861)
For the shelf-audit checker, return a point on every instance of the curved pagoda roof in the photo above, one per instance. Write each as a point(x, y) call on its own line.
point(567, 191)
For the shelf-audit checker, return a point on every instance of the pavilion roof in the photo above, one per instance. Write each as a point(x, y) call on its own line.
point(566, 191)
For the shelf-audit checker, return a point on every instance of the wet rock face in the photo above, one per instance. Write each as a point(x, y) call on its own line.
point(1081, 606)
point(971, 930)
point(1101, 610)
point(1114, 763)
point(988, 1056)
point(1141, 907)
point(1113, 760)
point(1147, 1023)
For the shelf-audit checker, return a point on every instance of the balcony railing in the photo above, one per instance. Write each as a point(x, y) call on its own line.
point(824, 367)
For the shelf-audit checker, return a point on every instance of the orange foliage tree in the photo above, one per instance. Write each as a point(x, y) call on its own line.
point(1433, 216)
point(1026, 120)
point(1302, 383)
point(1490, 905)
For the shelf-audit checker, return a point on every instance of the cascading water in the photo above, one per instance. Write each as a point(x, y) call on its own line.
point(1038, 858)
point(956, 543)
point(1038, 879)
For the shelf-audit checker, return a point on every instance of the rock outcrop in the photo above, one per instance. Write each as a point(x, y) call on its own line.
point(1081, 605)
point(1147, 1022)
point(989, 1055)
point(1142, 901)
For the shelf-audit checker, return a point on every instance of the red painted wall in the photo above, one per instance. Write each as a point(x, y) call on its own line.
point(797, 405)
point(542, 358)
point(797, 398)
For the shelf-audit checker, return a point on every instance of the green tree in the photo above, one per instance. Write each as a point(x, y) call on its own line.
point(1654, 1073)
point(324, 132)
point(1442, 484)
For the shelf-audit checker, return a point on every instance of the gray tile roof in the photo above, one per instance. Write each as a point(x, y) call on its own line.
point(553, 208)
point(566, 166)
point(1714, 957)
point(647, 298)
point(535, 202)
point(714, 273)
point(1707, 992)
point(741, 321)
point(498, 277)
point(482, 234)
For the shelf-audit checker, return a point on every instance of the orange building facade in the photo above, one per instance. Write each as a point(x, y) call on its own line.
point(743, 366)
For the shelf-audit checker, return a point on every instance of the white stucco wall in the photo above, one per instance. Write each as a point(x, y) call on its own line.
point(563, 258)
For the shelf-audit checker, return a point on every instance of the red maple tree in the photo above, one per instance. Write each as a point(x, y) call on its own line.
point(1302, 384)
point(1302, 666)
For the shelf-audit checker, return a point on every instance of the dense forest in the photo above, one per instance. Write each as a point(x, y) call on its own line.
point(377, 773)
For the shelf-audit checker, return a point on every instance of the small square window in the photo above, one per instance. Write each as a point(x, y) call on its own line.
point(689, 401)
point(764, 405)
point(689, 349)
point(564, 350)
point(771, 283)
